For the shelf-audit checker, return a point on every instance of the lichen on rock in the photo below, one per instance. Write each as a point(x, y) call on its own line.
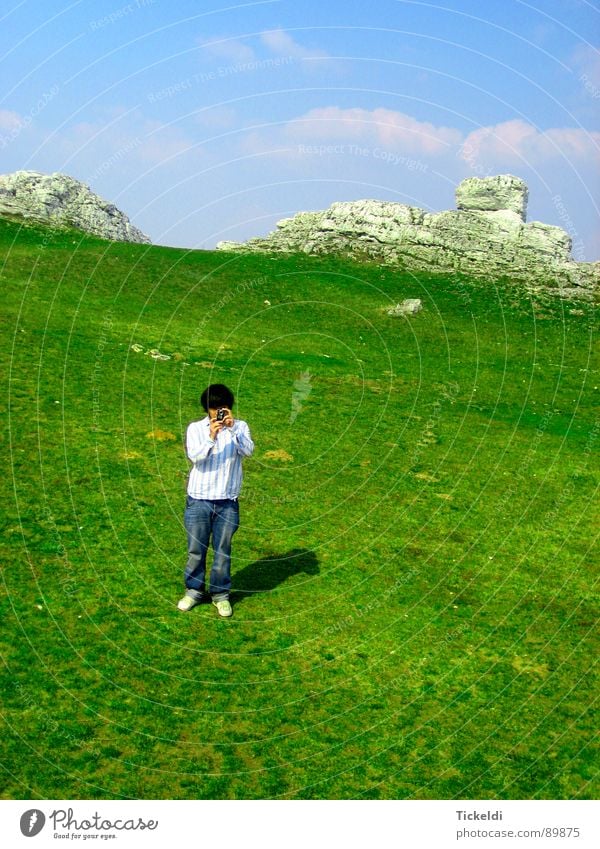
point(492, 194)
point(61, 200)
point(486, 237)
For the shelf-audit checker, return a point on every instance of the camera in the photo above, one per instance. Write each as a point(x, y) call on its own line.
point(221, 414)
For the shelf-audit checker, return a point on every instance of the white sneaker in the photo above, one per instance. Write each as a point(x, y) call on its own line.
point(223, 608)
point(187, 602)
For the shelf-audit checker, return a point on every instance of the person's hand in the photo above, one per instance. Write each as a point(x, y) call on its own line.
point(228, 420)
point(215, 428)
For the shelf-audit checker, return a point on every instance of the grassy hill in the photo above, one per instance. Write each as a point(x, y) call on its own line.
point(415, 575)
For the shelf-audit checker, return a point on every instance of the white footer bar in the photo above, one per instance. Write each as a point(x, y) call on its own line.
point(302, 824)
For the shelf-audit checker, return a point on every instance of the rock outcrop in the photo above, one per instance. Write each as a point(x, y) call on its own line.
point(485, 237)
point(61, 200)
point(409, 306)
point(493, 194)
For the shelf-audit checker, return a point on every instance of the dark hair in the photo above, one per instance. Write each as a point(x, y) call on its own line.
point(217, 395)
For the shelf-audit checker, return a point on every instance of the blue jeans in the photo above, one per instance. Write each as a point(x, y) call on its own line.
point(203, 518)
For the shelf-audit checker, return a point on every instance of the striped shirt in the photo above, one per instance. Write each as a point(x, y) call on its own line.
point(217, 470)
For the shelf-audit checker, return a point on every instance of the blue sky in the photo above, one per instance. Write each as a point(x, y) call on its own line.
point(205, 121)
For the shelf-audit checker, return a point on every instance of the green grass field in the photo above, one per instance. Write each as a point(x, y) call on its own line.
point(415, 575)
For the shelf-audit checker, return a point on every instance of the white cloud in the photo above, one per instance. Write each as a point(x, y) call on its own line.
point(570, 142)
point(281, 43)
point(159, 142)
point(217, 118)
point(586, 60)
point(231, 49)
point(276, 42)
point(507, 142)
point(387, 127)
point(97, 147)
point(517, 140)
point(10, 120)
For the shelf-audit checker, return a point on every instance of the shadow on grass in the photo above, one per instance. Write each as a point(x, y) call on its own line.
point(265, 574)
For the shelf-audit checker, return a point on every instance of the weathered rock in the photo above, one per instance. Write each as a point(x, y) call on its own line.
point(491, 194)
point(409, 306)
point(486, 237)
point(59, 199)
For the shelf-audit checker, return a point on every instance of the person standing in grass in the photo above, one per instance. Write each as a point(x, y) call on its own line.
point(215, 445)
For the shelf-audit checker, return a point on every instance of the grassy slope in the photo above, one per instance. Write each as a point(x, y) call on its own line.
point(414, 588)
